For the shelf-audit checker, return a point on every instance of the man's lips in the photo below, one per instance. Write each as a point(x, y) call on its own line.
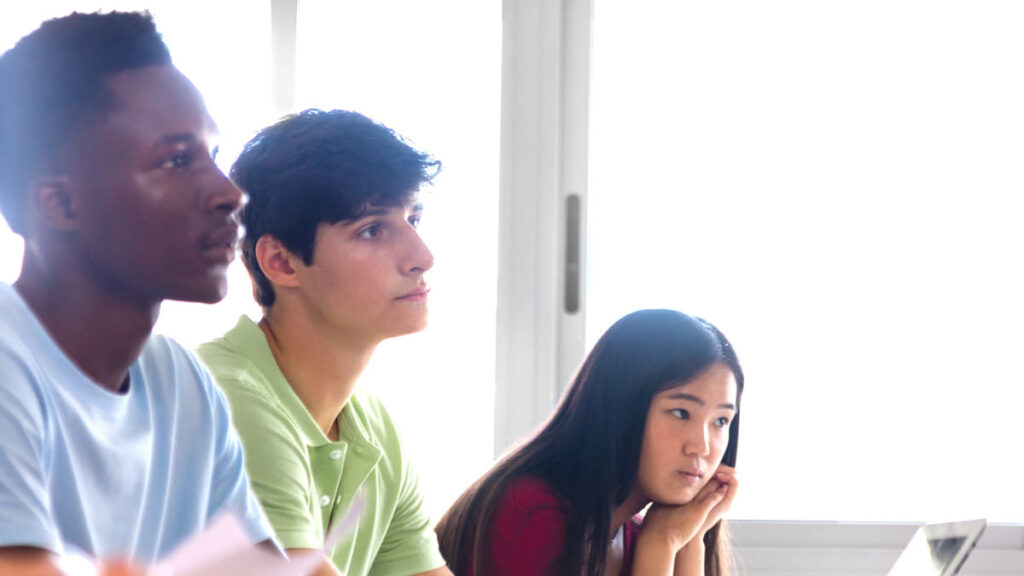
point(219, 246)
point(415, 295)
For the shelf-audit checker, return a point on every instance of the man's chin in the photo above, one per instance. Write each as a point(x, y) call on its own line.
point(404, 329)
point(201, 292)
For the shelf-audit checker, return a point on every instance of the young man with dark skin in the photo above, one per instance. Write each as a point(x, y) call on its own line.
point(113, 442)
point(338, 266)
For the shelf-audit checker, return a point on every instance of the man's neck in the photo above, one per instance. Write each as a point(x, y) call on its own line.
point(101, 334)
point(320, 365)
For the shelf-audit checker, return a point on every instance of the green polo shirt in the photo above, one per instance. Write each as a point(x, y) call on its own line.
point(304, 480)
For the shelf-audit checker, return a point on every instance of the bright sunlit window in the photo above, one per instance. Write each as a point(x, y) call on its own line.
point(838, 186)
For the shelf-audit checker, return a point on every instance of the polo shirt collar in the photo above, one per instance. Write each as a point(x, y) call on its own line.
point(249, 339)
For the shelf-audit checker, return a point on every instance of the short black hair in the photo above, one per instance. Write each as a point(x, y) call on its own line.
point(53, 81)
point(319, 167)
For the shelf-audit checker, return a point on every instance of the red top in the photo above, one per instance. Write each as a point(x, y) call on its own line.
point(529, 532)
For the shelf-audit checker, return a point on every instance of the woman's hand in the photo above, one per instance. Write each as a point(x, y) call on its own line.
point(724, 476)
point(672, 537)
point(676, 526)
point(667, 530)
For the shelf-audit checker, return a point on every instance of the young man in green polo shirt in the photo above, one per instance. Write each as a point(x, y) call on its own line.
point(338, 266)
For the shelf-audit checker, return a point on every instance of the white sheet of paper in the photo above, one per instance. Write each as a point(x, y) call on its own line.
point(221, 538)
point(223, 549)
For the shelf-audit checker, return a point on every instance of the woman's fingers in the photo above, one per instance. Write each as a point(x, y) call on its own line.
point(709, 488)
point(694, 515)
point(726, 474)
point(679, 525)
point(729, 483)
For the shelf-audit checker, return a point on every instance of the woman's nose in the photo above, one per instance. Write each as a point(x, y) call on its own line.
point(697, 442)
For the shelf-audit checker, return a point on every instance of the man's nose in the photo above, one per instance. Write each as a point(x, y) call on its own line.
point(223, 196)
point(420, 258)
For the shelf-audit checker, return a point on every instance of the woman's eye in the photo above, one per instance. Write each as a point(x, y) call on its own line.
point(414, 220)
point(680, 413)
point(722, 422)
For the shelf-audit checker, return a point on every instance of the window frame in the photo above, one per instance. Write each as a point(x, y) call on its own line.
point(773, 548)
point(546, 64)
point(544, 133)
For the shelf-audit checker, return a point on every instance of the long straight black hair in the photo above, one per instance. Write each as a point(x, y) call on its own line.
point(589, 450)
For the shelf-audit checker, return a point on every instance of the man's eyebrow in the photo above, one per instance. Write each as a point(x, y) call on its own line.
point(172, 139)
point(370, 212)
point(698, 401)
point(373, 211)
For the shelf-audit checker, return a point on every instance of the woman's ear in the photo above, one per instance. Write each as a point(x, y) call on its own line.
point(276, 262)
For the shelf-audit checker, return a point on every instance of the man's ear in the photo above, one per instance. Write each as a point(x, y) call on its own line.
point(53, 200)
point(276, 262)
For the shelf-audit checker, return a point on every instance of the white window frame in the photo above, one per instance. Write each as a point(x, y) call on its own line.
point(545, 106)
point(544, 132)
point(284, 26)
point(765, 548)
point(546, 56)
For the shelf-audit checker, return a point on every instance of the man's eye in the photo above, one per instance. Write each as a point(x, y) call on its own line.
point(179, 159)
point(414, 220)
point(371, 231)
point(680, 413)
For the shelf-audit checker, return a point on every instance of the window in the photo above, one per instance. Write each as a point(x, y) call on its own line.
point(838, 187)
point(834, 185)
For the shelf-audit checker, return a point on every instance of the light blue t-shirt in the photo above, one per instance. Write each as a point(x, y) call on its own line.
point(131, 474)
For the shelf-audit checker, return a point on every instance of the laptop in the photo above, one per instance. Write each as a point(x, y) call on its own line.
point(938, 549)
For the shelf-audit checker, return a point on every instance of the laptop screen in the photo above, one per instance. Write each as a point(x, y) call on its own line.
point(938, 549)
point(943, 550)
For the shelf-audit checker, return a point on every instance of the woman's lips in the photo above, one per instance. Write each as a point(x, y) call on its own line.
point(690, 476)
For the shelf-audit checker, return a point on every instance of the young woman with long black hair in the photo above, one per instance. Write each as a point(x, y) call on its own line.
point(651, 418)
